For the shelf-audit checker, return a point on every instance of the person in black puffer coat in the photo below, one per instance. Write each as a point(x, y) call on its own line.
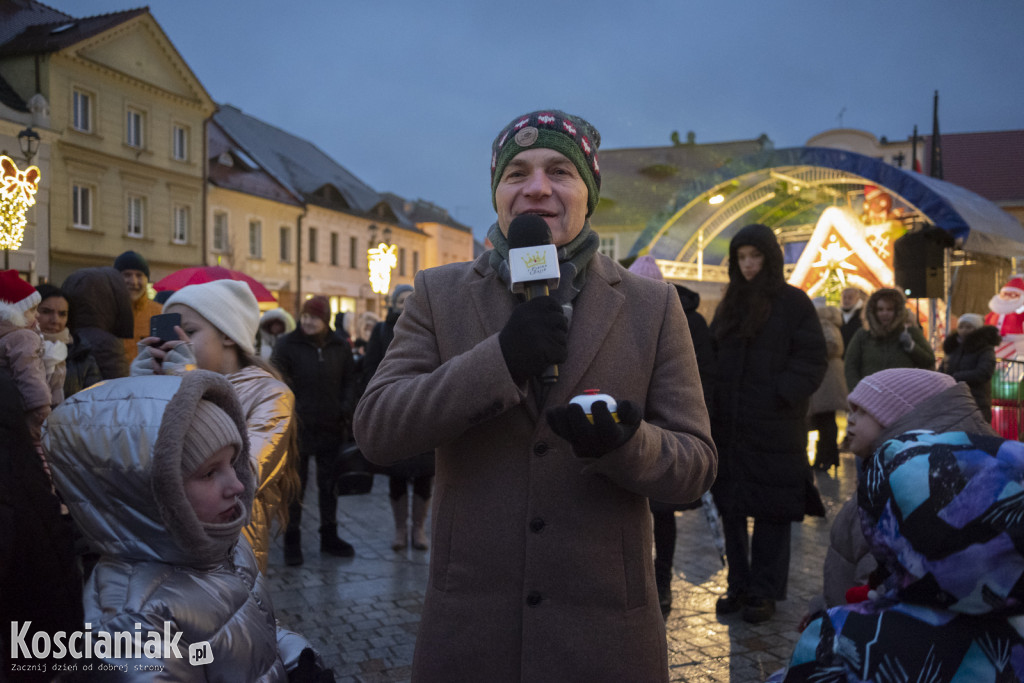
point(770, 357)
point(971, 358)
point(317, 366)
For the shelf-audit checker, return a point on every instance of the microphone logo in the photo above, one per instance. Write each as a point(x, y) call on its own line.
point(535, 262)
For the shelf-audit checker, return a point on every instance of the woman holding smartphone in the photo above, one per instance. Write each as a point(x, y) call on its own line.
point(214, 326)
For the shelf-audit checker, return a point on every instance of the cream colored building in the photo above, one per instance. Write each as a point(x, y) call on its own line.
point(285, 213)
point(127, 116)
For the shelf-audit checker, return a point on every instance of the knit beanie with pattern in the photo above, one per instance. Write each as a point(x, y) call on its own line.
point(550, 129)
point(211, 430)
point(228, 305)
point(888, 395)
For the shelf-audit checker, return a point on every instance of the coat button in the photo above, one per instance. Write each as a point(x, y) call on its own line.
point(540, 448)
point(533, 599)
point(536, 524)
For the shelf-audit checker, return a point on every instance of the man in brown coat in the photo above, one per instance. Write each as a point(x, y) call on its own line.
point(541, 564)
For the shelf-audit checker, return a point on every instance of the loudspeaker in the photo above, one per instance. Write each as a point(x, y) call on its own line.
point(918, 262)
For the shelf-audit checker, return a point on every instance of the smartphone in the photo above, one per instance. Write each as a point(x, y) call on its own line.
point(163, 326)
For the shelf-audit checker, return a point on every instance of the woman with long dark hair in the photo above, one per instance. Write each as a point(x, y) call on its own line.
point(770, 357)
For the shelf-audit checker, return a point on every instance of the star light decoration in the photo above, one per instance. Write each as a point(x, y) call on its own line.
point(834, 264)
point(17, 193)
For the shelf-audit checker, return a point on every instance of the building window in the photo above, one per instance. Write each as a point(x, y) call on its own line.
point(136, 209)
point(179, 143)
point(608, 247)
point(415, 262)
point(179, 231)
point(255, 239)
point(81, 105)
point(133, 128)
point(312, 245)
point(81, 207)
point(220, 231)
point(286, 243)
point(353, 250)
point(334, 248)
point(401, 260)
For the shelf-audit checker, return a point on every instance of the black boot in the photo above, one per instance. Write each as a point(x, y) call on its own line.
point(663, 581)
point(293, 547)
point(332, 545)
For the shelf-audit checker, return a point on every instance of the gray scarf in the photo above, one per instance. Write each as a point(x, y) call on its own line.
point(573, 260)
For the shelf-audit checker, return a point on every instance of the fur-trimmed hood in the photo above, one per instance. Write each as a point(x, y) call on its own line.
point(899, 321)
point(14, 313)
point(115, 451)
point(977, 340)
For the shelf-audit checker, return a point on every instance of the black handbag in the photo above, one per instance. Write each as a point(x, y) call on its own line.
point(354, 472)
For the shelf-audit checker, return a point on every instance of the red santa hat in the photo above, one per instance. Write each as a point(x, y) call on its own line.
point(1016, 283)
point(16, 297)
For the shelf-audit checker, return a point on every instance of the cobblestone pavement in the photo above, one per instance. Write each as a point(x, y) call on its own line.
point(362, 613)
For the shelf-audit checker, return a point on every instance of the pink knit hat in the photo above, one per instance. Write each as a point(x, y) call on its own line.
point(888, 395)
point(646, 267)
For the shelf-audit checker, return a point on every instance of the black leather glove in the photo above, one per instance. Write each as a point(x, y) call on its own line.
point(604, 435)
point(307, 670)
point(535, 336)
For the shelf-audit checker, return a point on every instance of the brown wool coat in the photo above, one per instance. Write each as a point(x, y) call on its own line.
point(541, 566)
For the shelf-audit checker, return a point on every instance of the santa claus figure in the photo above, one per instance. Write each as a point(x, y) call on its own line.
point(1007, 315)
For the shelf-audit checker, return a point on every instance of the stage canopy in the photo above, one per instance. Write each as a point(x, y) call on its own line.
point(789, 189)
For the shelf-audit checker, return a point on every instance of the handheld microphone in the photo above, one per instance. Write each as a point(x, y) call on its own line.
point(533, 265)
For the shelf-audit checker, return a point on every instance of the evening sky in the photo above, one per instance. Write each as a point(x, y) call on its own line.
point(409, 94)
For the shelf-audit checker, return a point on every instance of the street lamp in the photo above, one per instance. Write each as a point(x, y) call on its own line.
point(28, 140)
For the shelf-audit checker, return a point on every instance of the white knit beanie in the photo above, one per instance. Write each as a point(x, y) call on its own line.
point(229, 305)
point(888, 395)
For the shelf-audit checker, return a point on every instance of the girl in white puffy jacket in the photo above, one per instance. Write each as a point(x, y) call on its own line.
point(156, 473)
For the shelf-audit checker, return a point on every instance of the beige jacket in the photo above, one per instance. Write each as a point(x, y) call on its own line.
point(541, 565)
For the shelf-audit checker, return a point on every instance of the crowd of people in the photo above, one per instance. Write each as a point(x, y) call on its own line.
point(150, 470)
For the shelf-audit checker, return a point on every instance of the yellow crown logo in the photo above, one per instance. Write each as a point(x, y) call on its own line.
point(536, 259)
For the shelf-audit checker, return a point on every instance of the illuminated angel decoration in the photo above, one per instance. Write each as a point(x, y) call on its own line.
point(382, 260)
